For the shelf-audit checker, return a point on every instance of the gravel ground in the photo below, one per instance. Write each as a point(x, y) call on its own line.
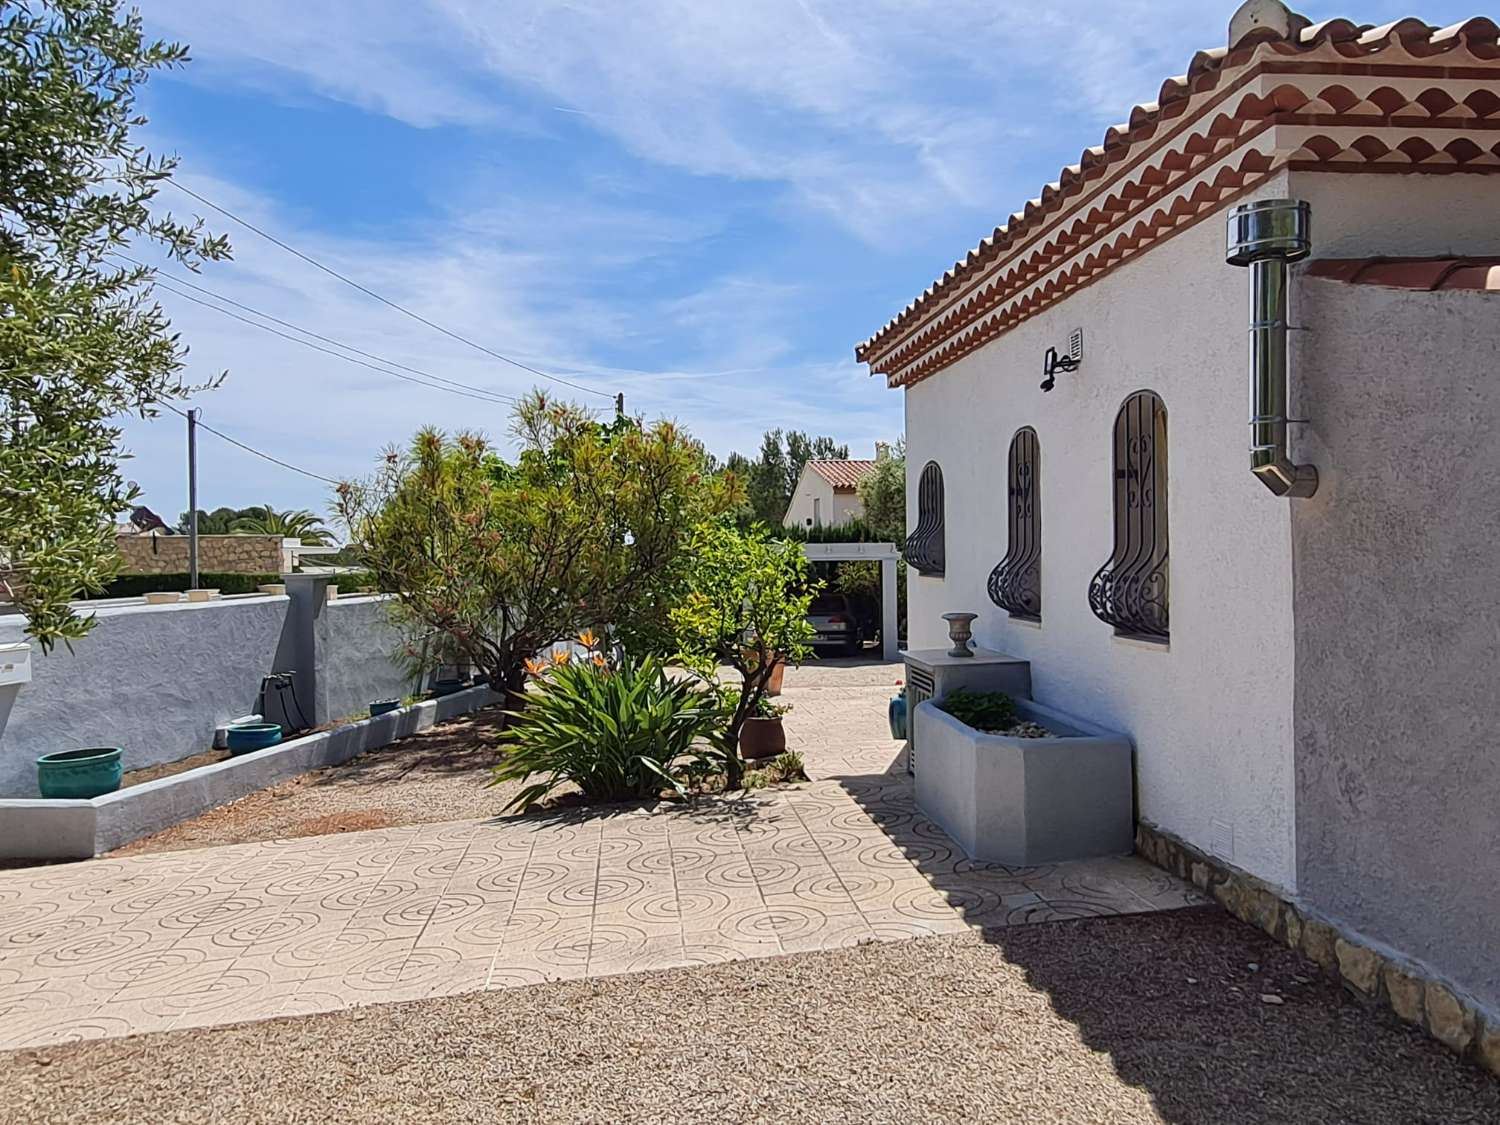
point(439, 774)
point(1146, 1018)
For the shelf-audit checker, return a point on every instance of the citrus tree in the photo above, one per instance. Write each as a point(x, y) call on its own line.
point(589, 526)
point(81, 340)
point(745, 607)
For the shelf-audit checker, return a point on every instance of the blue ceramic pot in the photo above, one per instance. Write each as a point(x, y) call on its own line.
point(896, 713)
point(447, 687)
point(79, 774)
point(384, 707)
point(253, 736)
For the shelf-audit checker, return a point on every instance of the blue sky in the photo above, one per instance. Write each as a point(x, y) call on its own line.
point(703, 205)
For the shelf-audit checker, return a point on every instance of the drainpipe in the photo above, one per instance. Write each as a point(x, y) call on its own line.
point(1267, 236)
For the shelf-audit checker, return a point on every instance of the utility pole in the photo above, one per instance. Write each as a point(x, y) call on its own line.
point(192, 421)
point(620, 405)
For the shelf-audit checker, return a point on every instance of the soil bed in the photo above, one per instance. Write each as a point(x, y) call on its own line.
point(438, 774)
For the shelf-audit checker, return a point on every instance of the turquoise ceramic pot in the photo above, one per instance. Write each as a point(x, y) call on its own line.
point(79, 774)
point(896, 713)
point(253, 736)
point(384, 707)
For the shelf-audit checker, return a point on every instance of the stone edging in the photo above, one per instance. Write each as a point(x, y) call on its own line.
point(1414, 995)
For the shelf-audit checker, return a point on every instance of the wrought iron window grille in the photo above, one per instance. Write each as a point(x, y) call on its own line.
point(1130, 591)
point(1015, 585)
point(924, 549)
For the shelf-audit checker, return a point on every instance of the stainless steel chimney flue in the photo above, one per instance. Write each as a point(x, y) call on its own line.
point(1266, 236)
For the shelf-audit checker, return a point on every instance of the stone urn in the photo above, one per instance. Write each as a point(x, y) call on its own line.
point(960, 632)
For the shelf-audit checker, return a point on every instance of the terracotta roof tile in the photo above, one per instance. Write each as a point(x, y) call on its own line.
point(1352, 43)
point(1430, 274)
point(843, 475)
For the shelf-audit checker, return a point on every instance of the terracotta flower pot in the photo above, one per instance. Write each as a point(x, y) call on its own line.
point(778, 673)
point(762, 738)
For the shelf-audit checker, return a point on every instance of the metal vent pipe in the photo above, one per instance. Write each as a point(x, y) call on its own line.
point(1266, 236)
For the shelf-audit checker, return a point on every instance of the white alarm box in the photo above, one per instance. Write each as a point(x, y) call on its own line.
point(15, 663)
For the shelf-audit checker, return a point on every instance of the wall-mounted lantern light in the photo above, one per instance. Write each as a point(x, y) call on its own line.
point(1053, 361)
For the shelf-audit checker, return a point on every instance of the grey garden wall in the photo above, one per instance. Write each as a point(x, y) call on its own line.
point(153, 680)
point(157, 680)
point(355, 641)
point(1398, 623)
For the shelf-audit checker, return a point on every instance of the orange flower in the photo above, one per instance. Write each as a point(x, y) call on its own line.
point(537, 667)
point(562, 658)
point(599, 661)
point(587, 638)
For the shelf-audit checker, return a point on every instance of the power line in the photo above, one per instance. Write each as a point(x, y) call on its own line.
point(175, 280)
point(251, 449)
point(485, 396)
point(383, 300)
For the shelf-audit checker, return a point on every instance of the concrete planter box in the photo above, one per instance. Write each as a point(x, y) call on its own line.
point(1023, 801)
point(39, 829)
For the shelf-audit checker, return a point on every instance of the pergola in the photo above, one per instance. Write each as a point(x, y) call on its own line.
point(886, 555)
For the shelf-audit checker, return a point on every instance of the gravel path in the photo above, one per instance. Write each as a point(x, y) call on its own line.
point(437, 775)
point(1148, 1018)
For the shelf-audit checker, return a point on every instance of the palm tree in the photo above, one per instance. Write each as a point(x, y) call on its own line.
point(299, 524)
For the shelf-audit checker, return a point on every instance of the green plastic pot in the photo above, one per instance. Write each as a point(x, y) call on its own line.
point(79, 774)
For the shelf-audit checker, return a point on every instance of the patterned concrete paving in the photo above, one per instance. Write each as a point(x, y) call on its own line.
point(250, 931)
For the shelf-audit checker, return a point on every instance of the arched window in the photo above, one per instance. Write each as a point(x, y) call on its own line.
point(924, 546)
point(1016, 584)
point(1130, 590)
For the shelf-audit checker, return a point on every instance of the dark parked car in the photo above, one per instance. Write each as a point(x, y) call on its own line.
point(842, 621)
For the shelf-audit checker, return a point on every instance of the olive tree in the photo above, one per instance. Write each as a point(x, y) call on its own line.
point(497, 560)
point(81, 340)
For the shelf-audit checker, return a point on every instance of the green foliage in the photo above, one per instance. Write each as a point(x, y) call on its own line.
point(621, 732)
point(133, 585)
point(746, 607)
point(882, 494)
point(217, 522)
point(766, 709)
point(855, 531)
point(982, 710)
point(772, 477)
point(787, 766)
point(266, 520)
point(81, 340)
point(590, 525)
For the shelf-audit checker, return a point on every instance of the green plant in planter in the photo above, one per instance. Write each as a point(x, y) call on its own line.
point(619, 731)
point(982, 710)
point(765, 709)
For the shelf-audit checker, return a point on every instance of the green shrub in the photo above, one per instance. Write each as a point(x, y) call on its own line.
point(617, 732)
point(133, 585)
point(787, 766)
point(982, 710)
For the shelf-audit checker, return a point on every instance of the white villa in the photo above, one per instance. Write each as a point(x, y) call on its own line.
point(827, 493)
point(1252, 511)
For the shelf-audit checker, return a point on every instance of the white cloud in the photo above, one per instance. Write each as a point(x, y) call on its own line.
point(520, 286)
point(870, 111)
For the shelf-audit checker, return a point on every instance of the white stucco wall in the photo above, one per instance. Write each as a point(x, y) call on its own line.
point(832, 510)
point(1211, 714)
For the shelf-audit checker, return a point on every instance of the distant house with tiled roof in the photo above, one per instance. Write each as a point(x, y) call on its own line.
point(827, 492)
point(1309, 675)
